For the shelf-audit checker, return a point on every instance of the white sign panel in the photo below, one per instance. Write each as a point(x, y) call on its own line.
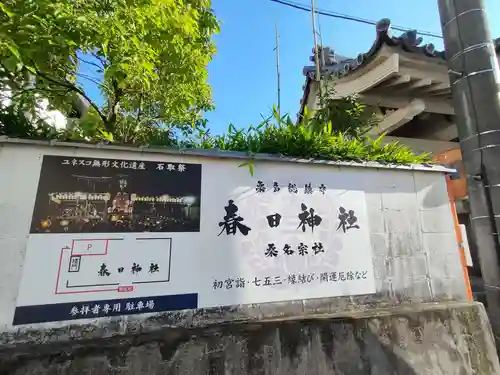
point(108, 238)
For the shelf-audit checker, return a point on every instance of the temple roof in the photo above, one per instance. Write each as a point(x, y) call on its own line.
point(339, 66)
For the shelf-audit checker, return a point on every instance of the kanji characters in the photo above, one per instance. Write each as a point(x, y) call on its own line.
point(271, 251)
point(308, 218)
point(273, 220)
point(103, 271)
point(232, 221)
point(347, 220)
point(260, 188)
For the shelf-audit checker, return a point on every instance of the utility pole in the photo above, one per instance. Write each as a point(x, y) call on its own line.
point(277, 49)
point(320, 34)
point(316, 54)
point(475, 82)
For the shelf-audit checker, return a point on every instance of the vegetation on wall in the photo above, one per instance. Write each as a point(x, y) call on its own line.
point(151, 59)
point(347, 115)
point(279, 136)
point(283, 137)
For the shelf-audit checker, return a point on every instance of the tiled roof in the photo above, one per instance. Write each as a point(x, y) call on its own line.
point(340, 66)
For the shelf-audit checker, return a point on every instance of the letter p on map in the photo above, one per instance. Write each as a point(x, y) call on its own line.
point(90, 247)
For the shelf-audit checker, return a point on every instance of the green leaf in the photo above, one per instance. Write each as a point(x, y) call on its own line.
point(6, 10)
point(250, 164)
point(31, 69)
point(106, 135)
point(11, 63)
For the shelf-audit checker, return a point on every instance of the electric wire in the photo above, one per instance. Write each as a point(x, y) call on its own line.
point(347, 17)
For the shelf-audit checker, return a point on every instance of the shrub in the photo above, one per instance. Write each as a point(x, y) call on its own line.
point(282, 137)
point(285, 138)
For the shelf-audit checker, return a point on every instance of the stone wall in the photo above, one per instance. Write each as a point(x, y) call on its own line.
point(412, 325)
point(438, 339)
point(414, 247)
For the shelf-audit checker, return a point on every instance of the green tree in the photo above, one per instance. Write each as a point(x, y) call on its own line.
point(346, 115)
point(149, 57)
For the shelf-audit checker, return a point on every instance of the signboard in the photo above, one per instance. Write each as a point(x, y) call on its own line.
point(119, 237)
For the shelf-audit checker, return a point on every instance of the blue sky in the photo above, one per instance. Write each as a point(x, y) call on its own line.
point(243, 72)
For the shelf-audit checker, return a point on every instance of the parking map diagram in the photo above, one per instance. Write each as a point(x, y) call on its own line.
point(112, 265)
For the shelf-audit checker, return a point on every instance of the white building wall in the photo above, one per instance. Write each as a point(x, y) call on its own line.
point(52, 117)
point(415, 256)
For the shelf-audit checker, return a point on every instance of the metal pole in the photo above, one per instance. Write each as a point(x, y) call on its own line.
point(475, 81)
point(316, 54)
point(321, 42)
point(278, 68)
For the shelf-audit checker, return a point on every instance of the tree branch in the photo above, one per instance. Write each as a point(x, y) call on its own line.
point(113, 106)
point(89, 62)
point(139, 111)
point(84, 76)
point(24, 91)
point(93, 80)
point(101, 60)
point(72, 87)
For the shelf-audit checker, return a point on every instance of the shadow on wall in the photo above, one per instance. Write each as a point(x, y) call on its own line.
point(446, 341)
point(281, 348)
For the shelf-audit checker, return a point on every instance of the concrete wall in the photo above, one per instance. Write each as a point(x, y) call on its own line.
point(416, 323)
point(445, 339)
point(415, 254)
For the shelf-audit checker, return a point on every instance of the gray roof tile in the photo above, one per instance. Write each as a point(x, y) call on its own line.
point(340, 66)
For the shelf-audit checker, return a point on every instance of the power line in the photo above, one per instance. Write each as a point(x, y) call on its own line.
point(328, 13)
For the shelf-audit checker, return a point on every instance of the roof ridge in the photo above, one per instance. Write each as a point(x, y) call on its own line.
point(408, 41)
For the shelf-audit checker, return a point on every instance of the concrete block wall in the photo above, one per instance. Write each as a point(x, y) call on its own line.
point(415, 253)
point(413, 239)
point(439, 339)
